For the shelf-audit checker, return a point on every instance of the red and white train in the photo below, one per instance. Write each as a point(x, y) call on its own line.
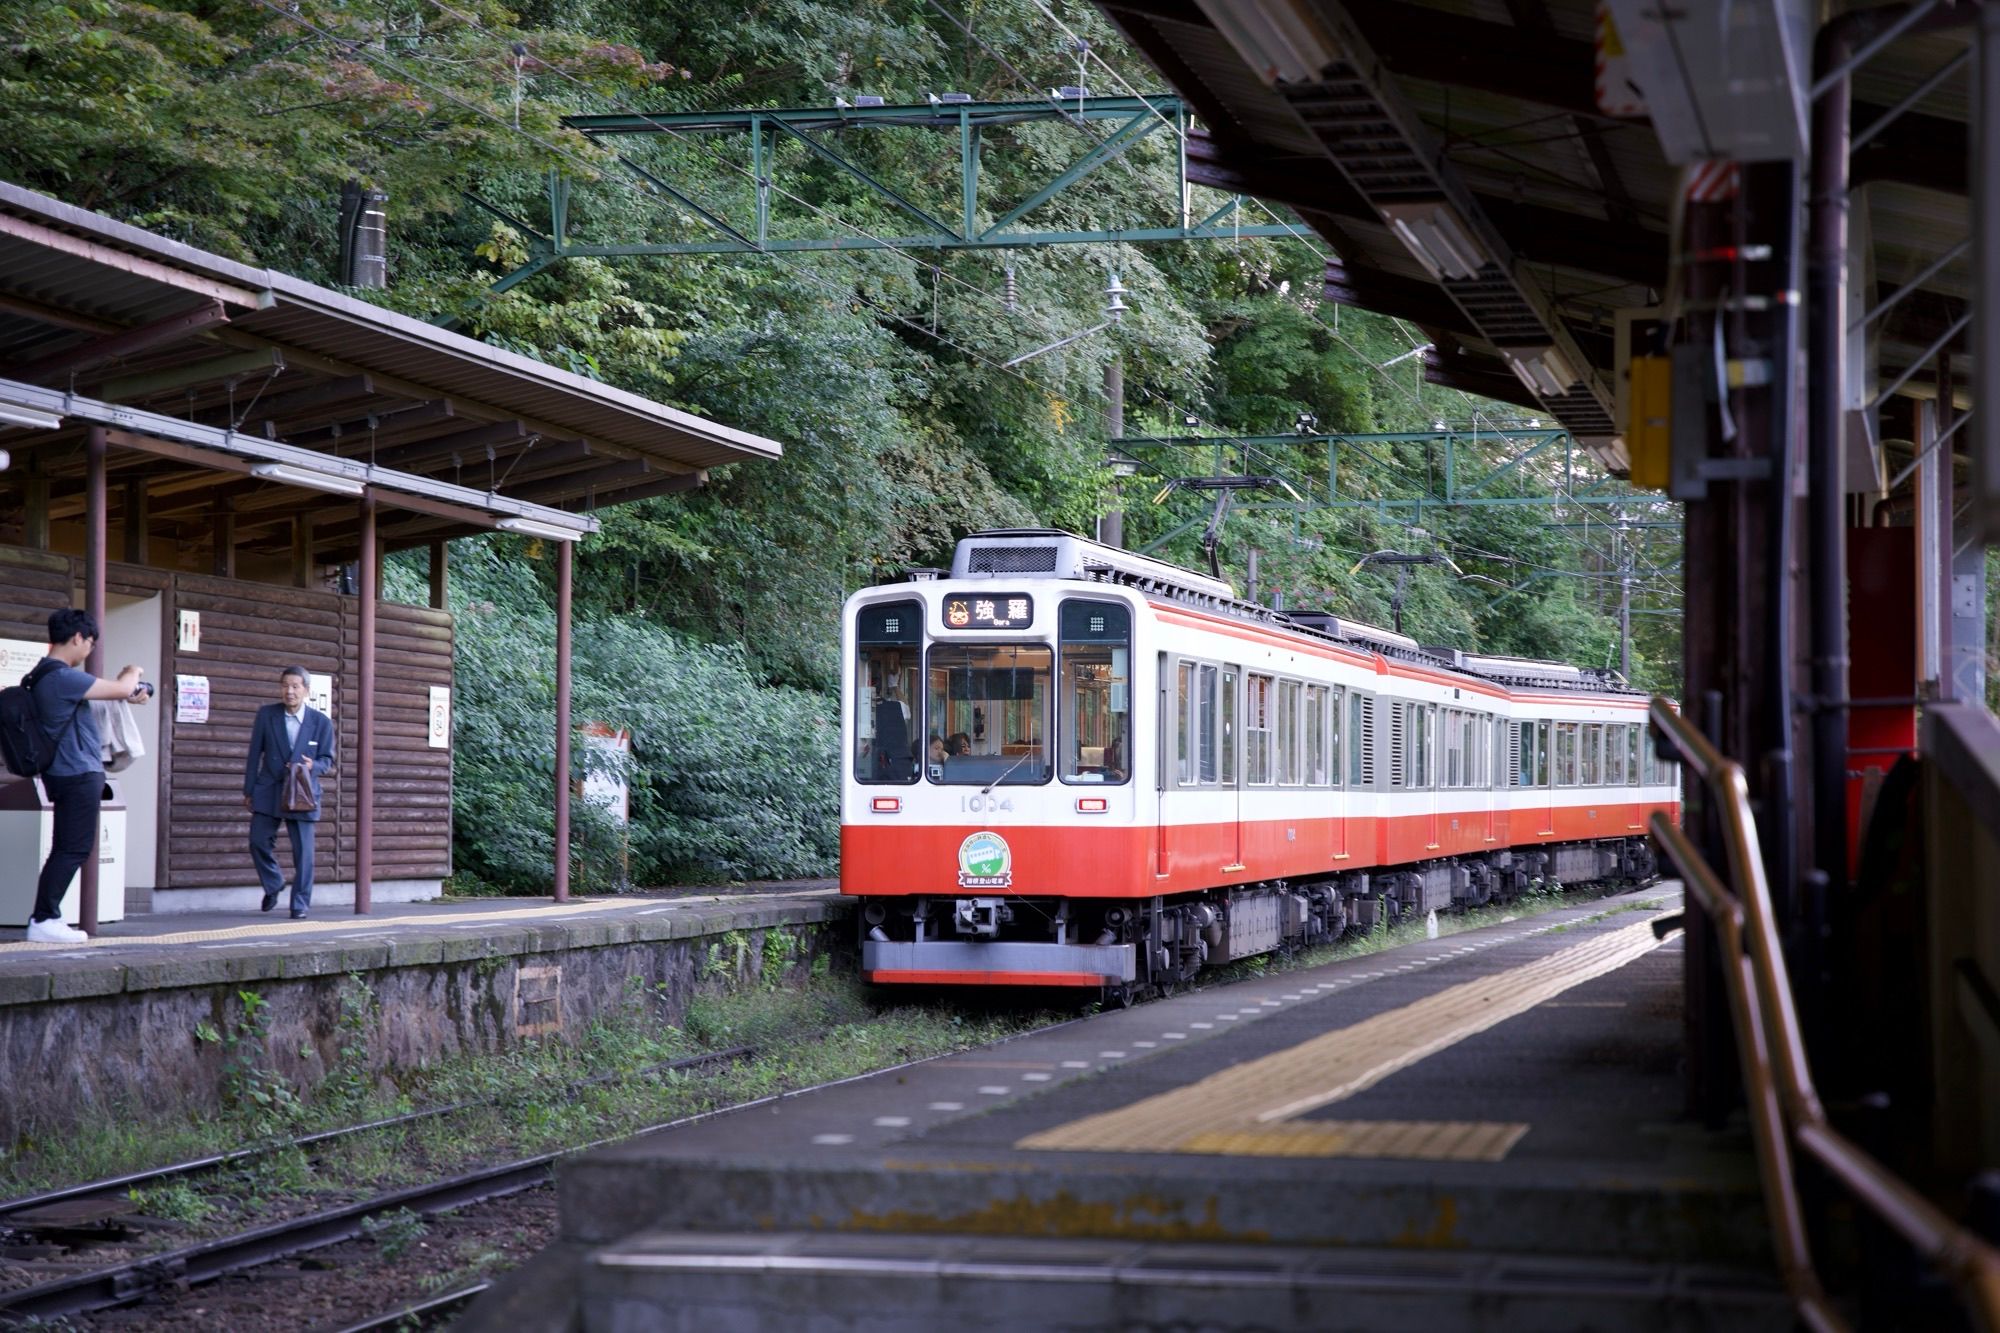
point(1068, 765)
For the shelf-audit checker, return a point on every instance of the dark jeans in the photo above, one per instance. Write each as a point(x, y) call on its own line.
point(77, 800)
point(263, 855)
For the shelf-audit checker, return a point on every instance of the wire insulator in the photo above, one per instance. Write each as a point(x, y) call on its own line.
point(1010, 292)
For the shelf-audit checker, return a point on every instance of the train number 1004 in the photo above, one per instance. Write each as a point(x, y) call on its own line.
point(978, 803)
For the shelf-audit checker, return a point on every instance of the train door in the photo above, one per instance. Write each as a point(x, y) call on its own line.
point(1228, 764)
point(1427, 760)
point(1336, 773)
point(1172, 747)
point(1492, 751)
point(1545, 786)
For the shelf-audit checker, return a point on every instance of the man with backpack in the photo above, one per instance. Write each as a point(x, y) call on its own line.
point(71, 763)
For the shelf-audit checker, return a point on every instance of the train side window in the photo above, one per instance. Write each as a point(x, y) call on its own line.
point(1524, 754)
point(1336, 700)
point(1096, 722)
point(1614, 755)
point(1288, 732)
point(1229, 728)
point(1360, 739)
point(887, 738)
point(1591, 770)
point(1542, 754)
point(1315, 723)
point(1259, 705)
point(1634, 739)
point(1207, 728)
point(1566, 741)
point(1184, 726)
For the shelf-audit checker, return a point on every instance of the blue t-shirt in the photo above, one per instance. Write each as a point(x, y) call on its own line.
point(79, 749)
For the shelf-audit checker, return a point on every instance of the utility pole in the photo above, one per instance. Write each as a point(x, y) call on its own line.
point(1624, 606)
point(1111, 528)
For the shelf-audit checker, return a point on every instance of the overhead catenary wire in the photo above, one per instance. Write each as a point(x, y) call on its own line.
point(859, 231)
point(362, 51)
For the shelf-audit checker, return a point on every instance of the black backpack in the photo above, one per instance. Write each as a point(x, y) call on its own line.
point(24, 745)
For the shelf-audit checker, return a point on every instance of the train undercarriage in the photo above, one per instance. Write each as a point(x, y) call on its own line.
point(1134, 947)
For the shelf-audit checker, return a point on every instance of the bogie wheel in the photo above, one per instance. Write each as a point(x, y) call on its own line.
point(1117, 995)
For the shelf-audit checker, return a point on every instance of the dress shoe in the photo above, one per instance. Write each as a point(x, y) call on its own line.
point(299, 914)
point(270, 899)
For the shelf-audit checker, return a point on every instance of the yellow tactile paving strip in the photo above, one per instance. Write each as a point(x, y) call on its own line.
point(1419, 1140)
point(1256, 1097)
point(342, 921)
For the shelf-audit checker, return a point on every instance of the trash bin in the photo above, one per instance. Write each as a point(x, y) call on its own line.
point(28, 830)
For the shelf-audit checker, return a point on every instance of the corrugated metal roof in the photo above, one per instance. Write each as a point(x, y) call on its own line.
point(67, 268)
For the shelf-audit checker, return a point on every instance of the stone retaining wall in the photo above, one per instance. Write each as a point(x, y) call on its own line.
point(94, 1037)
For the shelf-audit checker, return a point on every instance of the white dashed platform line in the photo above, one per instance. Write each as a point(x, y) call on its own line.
point(832, 1140)
point(1228, 1018)
point(996, 1090)
point(1111, 1055)
point(891, 1121)
point(1076, 1064)
point(1272, 1004)
point(1036, 1078)
point(1145, 1045)
point(947, 1106)
point(1174, 1036)
point(1202, 1025)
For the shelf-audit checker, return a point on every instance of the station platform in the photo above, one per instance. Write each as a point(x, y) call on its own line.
point(109, 1024)
point(1476, 1131)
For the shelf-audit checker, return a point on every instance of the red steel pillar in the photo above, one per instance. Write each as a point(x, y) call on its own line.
point(95, 541)
point(565, 561)
point(364, 730)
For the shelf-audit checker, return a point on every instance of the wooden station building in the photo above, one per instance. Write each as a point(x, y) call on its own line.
point(214, 458)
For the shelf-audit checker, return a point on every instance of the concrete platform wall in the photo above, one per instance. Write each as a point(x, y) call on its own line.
point(93, 1035)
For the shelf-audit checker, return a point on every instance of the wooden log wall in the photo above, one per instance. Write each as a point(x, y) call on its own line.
point(249, 633)
point(32, 584)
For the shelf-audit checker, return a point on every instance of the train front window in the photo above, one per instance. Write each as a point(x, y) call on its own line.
point(1096, 692)
point(887, 741)
point(989, 708)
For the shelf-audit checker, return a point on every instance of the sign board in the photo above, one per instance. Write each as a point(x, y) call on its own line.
point(18, 658)
point(319, 693)
point(190, 633)
point(440, 723)
point(190, 698)
point(999, 611)
point(604, 782)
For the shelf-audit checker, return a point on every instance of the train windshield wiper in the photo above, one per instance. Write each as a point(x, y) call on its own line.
point(1008, 772)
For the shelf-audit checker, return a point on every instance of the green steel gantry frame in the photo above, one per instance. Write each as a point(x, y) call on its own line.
point(969, 223)
point(1527, 444)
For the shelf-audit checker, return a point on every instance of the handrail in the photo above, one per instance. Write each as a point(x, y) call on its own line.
point(1785, 1111)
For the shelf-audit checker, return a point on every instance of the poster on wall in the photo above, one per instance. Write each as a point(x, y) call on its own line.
point(189, 640)
point(18, 658)
point(440, 727)
point(319, 694)
point(190, 698)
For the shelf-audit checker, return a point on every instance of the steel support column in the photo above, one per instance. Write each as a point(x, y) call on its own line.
point(364, 714)
point(96, 550)
point(565, 560)
point(1826, 522)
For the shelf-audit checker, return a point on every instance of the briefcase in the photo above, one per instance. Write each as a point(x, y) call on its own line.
point(299, 796)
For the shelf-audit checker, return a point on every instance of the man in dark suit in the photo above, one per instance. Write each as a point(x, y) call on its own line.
point(285, 735)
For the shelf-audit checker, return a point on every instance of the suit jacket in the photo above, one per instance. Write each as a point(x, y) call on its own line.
point(270, 756)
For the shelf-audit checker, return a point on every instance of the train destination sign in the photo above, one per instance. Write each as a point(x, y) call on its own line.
point(998, 611)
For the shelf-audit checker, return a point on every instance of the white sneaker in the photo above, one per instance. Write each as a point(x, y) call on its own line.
point(53, 931)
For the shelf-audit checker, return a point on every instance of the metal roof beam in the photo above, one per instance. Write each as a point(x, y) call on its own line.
point(130, 342)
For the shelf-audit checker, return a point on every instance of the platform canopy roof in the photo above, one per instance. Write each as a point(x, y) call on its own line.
point(1491, 108)
point(209, 372)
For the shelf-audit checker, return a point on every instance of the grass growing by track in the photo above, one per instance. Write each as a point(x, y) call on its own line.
point(827, 1028)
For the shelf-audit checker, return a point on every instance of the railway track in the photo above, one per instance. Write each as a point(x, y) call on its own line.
point(14, 1211)
point(158, 1274)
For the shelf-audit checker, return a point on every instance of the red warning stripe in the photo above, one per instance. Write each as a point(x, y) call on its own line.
point(1713, 181)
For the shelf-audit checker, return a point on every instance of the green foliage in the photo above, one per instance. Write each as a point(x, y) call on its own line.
point(707, 622)
point(394, 1233)
point(262, 1099)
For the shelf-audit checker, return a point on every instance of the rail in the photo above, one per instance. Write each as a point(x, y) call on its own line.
point(1785, 1110)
